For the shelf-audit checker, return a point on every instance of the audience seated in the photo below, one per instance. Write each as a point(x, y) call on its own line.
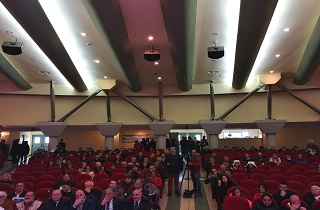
point(263, 188)
point(29, 202)
point(6, 178)
point(56, 202)
point(237, 192)
point(67, 191)
point(110, 201)
point(65, 177)
point(294, 202)
point(82, 202)
point(90, 192)
point(283, 193)
point(265, 203)
point(138, 185)
point(127, 183)
point(5, 203)
point(313, 195)
point(155, 171)
point(19, 191)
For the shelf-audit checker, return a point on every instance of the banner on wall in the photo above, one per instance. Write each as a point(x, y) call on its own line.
point(131, 138)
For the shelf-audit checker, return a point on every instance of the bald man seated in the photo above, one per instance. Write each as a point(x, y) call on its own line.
point(137, 202)
point(56, 202)
point(82, 202)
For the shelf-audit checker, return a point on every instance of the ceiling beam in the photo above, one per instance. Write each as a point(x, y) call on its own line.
point(35, 22)
point(108, 20)
point(311, 58)
point(12, 74)
point(254, 20)
point(180, 21)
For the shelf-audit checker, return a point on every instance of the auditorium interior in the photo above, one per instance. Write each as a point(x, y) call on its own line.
point(97, 74)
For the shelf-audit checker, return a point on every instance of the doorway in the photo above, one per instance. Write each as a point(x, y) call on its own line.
point(39, 142)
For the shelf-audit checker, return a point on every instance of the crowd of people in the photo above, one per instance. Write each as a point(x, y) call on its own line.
point(146, 170)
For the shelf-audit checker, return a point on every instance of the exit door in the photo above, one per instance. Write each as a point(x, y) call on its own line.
point(39, 142)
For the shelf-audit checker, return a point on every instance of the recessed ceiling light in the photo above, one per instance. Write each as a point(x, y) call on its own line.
point(106, 77)
point(210, 72)
point(271, 72)
point(83, 34)
point(150, 38)
point(44, 72)
point(97, 61)
point(286, 29)
point(159, 78)
point(277, 55)
point(156, 63)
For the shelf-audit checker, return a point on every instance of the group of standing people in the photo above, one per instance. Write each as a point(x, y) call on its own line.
point(19, 152)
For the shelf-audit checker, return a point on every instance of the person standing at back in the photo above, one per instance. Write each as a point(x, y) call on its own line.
point(174, 164)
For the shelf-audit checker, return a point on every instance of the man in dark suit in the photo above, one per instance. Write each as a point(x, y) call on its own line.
point(139, 185)
point(19, 191)
point(109, 201)
point(137, 202)
point(56, 202)
point(82, 202)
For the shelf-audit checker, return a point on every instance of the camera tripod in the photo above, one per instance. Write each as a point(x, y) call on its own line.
point(187, 193)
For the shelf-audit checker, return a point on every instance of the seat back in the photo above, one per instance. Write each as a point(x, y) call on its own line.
point(6, 187)
point(249, 184)
point(278, 177)
point(273, 185)
point(258, 177)
point(44, 184)
point(238, 177)
point(236, 202)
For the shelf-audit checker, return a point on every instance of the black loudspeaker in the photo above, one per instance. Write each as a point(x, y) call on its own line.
point(215, 52)
point(12, 48)
point(152, 55)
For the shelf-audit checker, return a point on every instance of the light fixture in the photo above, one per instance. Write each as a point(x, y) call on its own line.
point(159, 78)
point(44, 72)
point(277, 55)
point(156, 63)
point(97, 61)
point(271, 71)
point(287, 29)
point(83, 34)
point(150, 38)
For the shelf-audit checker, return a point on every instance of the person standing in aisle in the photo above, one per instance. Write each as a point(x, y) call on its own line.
point(174, 164)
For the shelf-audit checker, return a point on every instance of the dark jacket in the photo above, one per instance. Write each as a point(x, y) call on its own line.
point(144, 205)
point(13, 194)
point(94, 194)
point(63, 204)
point(118, 204)
point(278, 198)
point(88, 204)
point(309, 199)
point(174, 163)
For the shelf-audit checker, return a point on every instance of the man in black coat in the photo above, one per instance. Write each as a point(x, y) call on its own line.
point(109, 200)
point(82, 202)
point(137, 202)
point(23, 151)
point(174, 168)
point(56, 202)
point(3, 149)
point(14, 151)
